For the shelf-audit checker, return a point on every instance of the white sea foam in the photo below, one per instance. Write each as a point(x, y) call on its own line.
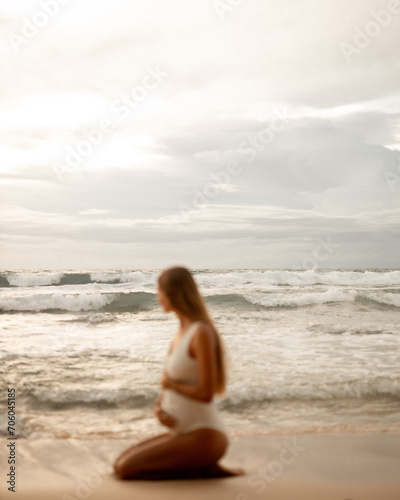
point(364, 328)
point(301, 388)
point(58, 301)
point(301, 299)
point(316, 388)
point(134, 277)
point(105, 277)
point(22, 280)
point(298, 278)
point(138, 277)
point(387, 298)
point(92, 395)
point(261, 278)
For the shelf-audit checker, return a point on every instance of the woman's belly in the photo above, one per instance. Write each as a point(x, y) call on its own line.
point(191, 414)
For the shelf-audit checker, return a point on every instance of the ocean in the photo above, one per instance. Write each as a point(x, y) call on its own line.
point(313, 350)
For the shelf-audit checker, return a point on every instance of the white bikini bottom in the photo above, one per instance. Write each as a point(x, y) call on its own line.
point(191, 414)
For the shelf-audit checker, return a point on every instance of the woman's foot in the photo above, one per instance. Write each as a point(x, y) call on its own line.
point(217, 470)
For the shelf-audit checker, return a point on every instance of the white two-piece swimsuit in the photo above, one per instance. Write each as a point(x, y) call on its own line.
point(189, 413)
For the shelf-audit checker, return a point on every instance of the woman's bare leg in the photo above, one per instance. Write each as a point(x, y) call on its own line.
point(162, 459)
point(194, 454)
point(142, 444)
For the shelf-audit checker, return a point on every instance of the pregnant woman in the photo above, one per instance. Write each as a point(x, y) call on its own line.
point(194, 372)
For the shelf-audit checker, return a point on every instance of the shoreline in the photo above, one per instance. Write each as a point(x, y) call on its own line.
point(310, 465)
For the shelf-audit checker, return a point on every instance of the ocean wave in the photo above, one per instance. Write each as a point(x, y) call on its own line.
point(238, 398)
point(242, 397)
point(114, 302)
point(61, 278)
point(301, 299)
point(96, 318)
point(299, 278)
point(211, 278)
point(136, 277)
point(361, 329)
point(76, 302)
point(37, 279)
point(63, 398)
point(385, 298)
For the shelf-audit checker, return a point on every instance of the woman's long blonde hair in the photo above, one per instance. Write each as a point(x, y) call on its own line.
point(182, 291)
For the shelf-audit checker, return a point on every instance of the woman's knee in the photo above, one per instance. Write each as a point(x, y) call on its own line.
point(118, 469)
point(221, 444)
point(125, 470)
point(124, 467)
point(213, 443)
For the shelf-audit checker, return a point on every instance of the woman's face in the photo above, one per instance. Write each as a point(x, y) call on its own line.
point(163, 300)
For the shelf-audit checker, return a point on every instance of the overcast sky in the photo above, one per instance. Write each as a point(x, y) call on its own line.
point(207, 133)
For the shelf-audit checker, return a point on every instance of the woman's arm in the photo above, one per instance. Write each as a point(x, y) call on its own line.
point(203, 347)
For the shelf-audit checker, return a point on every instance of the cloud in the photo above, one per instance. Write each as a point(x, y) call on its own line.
point(313, 138)
point(94, 211)
point(226, 221)
point(220, 236)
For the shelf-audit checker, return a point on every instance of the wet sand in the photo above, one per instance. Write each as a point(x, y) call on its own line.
point(335, 466)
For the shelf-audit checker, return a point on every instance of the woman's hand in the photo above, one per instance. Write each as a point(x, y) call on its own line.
point(163, 417)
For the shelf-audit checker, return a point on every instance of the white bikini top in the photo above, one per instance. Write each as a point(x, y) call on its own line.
point(180, 365)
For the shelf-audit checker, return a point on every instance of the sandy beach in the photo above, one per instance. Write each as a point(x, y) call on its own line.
point(300, 466)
